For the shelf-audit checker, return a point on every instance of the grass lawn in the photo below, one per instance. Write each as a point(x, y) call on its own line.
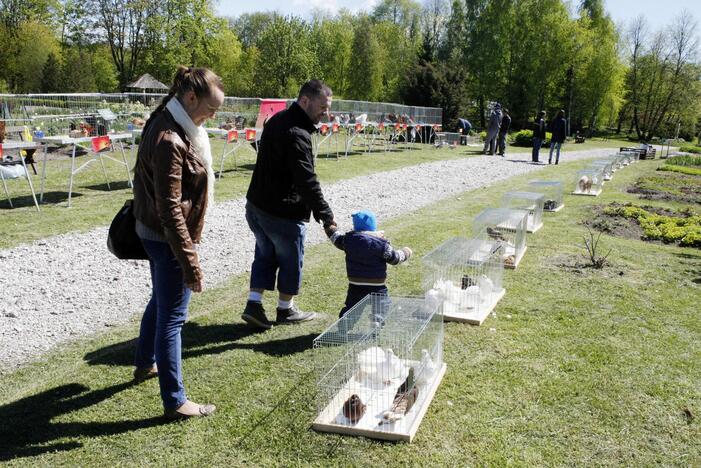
point(93, 205)
point(578, 367)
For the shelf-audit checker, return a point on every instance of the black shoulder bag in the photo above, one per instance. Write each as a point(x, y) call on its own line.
point(122, 240)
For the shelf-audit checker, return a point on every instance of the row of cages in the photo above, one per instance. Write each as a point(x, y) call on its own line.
point(380, 364)
point(590, 181)
point(99, 113)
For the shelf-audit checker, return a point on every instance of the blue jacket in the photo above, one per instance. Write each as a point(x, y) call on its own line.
point(367, 256)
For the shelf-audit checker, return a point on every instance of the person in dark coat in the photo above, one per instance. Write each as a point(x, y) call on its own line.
point(558, 127)
point(538, 135)
point(504, 130)
point(283, 192)
point(490, 142)
point(464, 126)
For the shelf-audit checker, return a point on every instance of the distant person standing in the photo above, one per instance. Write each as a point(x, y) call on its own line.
point(538, 135)
point(504, 130)
point(558, 127)
point(490, 141)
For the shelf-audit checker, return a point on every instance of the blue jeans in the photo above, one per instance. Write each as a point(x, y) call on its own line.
point(159, 336)
point(537, 143)
point(553, 145)
point(279, 251)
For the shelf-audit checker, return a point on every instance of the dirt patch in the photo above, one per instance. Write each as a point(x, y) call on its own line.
point(616, 225)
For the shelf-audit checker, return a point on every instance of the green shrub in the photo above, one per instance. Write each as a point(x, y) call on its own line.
point(684, 160)
point(690, 149)
point(685, 228)
point(483, 135)
point(525, 138)
point(695, 171)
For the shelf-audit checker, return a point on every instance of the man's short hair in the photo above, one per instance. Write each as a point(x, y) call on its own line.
point(314, 89)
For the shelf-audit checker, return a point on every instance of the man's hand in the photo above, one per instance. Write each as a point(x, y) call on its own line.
point(330, 227)
point(407, 251)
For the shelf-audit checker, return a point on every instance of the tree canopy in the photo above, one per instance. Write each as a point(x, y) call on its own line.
point(460, 55)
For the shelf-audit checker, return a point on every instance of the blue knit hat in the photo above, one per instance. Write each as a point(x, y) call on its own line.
point(364, 221)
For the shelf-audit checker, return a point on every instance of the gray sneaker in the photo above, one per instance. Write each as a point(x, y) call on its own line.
point(293, 315)
point(254, 314)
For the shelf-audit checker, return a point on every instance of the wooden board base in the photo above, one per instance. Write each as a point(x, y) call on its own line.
point(475, 317)
point(367, 426)
point(590, 194)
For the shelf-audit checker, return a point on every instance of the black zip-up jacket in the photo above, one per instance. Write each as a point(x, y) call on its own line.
point(505, 124)
point(284, 183)
point(539, 129)
point(558, 127)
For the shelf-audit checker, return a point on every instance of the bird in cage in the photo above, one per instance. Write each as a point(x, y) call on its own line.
point(354, 409)
point(391, 368)
point(549, 205)
point(584, 184)
point(509, 260)
point(495, 234)
point(404, 399)
point(426, 368)
point(466, 281)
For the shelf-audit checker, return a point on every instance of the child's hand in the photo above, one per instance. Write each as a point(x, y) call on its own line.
point(407, 251)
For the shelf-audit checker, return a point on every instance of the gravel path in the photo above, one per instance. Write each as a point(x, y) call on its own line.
point(74, 287)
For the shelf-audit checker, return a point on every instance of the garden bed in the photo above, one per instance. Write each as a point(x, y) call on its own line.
point(669, 186)
point(651, 224)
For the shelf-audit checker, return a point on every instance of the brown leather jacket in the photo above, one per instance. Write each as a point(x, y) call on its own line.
point(170, 190)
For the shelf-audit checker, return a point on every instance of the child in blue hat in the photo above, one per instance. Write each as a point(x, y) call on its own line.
point(367, 255)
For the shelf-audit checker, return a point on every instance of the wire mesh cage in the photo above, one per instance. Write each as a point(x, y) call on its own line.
point(531, 202)
point(553, 192)
point(617, 161)
point(589, 181)
point(506, 226)
point(606, 165)
point(464, 276)
point(380, 365)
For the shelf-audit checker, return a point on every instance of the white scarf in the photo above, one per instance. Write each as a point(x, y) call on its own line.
point(199, 138)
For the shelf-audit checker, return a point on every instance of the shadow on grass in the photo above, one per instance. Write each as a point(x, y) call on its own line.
point(27, 200)
point(694, 271)
point(200, 340)
point(116, 185)
point(28, 428)
point(240, 169)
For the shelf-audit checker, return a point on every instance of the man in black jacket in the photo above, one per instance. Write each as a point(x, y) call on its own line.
point(284, 191)
point(559, 131)
point(504, 130)
point(538, 135)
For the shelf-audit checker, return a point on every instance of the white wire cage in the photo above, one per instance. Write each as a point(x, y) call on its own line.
point(464, 276)
point(532, 203)
point(377, 377)
point(589, 182)
point(553, 191)
point(617, 161)
point(506, 226)
point(606, 165)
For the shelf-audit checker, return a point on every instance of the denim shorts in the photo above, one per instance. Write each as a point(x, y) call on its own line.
point(279, 252)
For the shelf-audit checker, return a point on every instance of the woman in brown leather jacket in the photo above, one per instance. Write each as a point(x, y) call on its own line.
point(173, 182)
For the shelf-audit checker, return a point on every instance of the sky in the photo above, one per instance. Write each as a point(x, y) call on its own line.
point(659, 13)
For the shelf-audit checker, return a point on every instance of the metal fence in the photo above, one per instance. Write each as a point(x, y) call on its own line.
point(55, 113)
